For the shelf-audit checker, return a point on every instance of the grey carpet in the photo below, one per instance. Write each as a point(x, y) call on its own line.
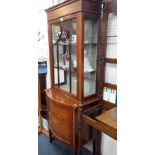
point(54, 148)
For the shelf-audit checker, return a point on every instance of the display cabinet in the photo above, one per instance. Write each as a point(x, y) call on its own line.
point(74, 54)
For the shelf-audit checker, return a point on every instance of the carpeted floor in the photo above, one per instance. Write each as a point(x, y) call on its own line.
point(54, 148)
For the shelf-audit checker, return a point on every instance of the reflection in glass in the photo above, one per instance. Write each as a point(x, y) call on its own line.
point(55, 66)
point(55, 33)
point(61, 72)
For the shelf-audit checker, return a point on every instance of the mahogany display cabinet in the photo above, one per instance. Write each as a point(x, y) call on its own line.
point(75, 60)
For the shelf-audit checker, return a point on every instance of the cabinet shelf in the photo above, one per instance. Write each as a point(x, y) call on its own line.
point(75, 43)
point(86, 43)
point(73, 69)
point(109, 43)
point(67, 69)
point(111, 36)
point(89, 71)
point(67, 43)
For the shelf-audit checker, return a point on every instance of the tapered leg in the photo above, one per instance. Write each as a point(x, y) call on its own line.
point(97, 143)
point(51, 138)
point(94, 147)
point(75, 152)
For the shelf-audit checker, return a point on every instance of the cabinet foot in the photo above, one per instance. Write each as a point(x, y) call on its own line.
point(97, 144)
point(51, 138)
point(75, 152)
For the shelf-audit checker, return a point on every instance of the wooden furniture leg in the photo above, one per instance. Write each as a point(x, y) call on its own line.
point(94, 147)
point(79, 152)
point(51, 138)
point(97, 143)
point(75, 152)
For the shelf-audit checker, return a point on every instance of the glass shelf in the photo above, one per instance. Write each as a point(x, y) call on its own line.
point(89, 43)
point(67, 69)
point(67, 44)
point(111, 36)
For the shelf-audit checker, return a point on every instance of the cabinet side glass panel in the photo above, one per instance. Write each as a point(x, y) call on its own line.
point(90, 54)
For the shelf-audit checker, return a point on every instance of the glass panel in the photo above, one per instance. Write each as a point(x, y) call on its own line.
point(90, 31)
point(55, 2)
point(90, 54)
point(111, 51)
point(74, 71)
point(111, 73)
point(112, 36)
point(55, 66)
point(61, 72)
point(66, 63)
point(55, 32)
point(112, 24)
point(110, 95)
point(64, 67)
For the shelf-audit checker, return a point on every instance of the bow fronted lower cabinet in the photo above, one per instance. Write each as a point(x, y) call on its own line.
point(75, 56)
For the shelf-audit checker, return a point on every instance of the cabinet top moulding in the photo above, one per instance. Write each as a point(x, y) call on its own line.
point(73, 6)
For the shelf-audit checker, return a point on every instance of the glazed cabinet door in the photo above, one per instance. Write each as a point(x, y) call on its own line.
point(64, 53)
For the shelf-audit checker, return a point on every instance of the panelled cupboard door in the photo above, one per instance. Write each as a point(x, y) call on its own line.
point(61, 120)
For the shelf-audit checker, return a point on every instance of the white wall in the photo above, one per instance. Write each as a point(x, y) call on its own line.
point(43, 49)
point(109, 145)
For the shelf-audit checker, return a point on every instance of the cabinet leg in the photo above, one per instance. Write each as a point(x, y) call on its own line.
point(79, 133)
point(75, 152)
point(51, 138)
point(94, 147)
point(79, 152)
point(97, 144)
